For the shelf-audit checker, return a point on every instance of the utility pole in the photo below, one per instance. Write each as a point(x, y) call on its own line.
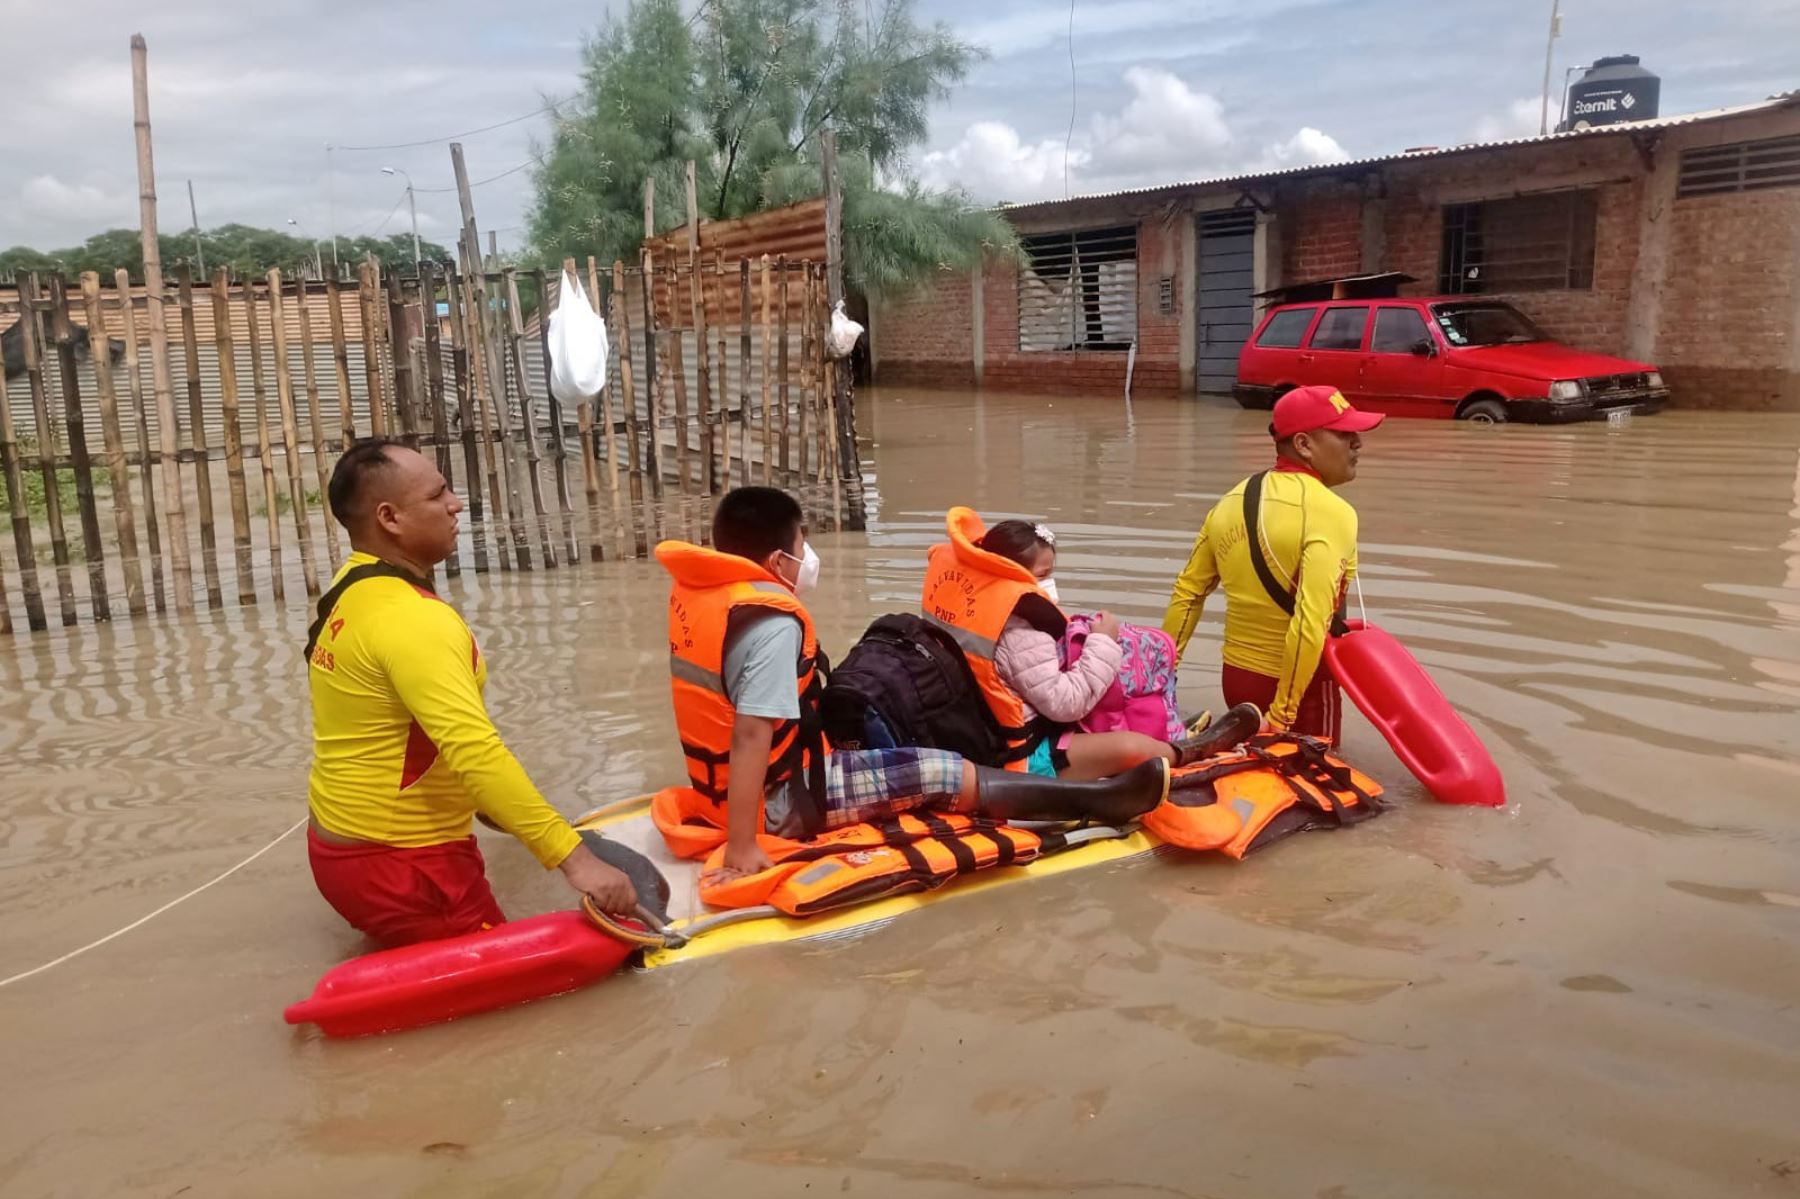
point(412, 209)
point(331, 208)
point(1549, 51)
point(194, 212)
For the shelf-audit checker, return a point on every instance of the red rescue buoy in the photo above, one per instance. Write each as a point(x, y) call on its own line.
point(1388, 686)
point(433, 981)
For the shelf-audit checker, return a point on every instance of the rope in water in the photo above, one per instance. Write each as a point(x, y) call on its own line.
point(143, 920)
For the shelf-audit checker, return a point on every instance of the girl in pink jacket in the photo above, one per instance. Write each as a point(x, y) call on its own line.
point(1030, 662)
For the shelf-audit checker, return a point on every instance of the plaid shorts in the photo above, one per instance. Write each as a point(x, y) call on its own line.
point(873, 784)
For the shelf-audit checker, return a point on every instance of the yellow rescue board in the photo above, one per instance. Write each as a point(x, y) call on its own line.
point(629, 823)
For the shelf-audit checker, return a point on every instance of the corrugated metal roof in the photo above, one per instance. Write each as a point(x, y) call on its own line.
point(1779, 100)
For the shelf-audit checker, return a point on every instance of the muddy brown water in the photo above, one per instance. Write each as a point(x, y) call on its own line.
point(1594, 991)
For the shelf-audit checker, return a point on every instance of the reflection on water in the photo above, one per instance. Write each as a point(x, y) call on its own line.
point(1588, 992)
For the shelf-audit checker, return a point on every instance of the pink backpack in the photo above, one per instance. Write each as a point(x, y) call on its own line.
point(1142, 698)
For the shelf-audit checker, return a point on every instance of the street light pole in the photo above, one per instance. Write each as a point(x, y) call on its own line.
point(1549, 51)
point(330, 207)
point(412, 210)
point(318, 257)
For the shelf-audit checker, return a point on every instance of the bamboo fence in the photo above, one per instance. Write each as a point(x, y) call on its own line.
point(230, 400)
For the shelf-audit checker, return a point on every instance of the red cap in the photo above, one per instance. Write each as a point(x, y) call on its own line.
point(1307, 408)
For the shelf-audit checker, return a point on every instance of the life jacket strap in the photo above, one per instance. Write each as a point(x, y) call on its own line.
point(353, 576)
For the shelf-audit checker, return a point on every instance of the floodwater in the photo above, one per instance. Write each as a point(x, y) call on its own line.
point(1590, 992)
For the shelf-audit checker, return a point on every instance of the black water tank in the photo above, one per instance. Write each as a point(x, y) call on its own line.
point(1614, 89)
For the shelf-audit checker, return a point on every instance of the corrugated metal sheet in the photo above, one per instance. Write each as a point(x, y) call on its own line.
point(1781, 100)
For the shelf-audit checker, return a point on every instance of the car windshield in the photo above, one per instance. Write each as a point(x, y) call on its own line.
point(1484, 325)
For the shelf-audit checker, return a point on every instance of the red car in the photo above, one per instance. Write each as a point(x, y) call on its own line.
point(1446, 356)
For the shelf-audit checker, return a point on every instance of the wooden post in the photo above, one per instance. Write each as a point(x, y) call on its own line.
point(203, 496)
point(315, 419)
point(68, 373)
point(846, 479)
point(809, 303)
point(124, 521)
point(515, 348)
point(702, 351)
point(768, 376)
point(369, 307)
point(675, 356)
point(493, 356)
point(401, 357)
point(33, 345)
point(465, 417)
point(628, 399)
point(16, 505)
point(744, 368)
point(559, 449)
point(6, 627)
point(621, 333)
point(434, 389)
point(234, 435)
point(290, 433)
point(340, 358)
point(141, 414)
point(781, 363)
point(653, 385)
point(507, 535)
point(584, 417)
point(265, 454)
point(182, 569)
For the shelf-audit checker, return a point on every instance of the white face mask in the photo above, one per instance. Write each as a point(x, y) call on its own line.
point(807, 577)
point(1048, 587)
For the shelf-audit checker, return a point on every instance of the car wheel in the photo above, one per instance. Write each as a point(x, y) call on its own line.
point(1484, 412)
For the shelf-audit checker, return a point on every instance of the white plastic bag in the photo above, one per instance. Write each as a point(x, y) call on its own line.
point(578, 346)
point(840, 339)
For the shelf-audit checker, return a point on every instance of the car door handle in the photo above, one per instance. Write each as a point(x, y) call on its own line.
point(1305, 358)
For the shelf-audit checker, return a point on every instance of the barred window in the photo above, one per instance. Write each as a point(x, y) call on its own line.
point(1078, 291)
point(1741, 167)
point(1528, 243)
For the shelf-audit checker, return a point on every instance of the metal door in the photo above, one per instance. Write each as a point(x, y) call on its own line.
point(1227, 266)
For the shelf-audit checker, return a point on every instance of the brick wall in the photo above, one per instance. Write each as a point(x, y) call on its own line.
point(1590, 318)
point(1321, 231)
point(927, 337)
point(1731, 301)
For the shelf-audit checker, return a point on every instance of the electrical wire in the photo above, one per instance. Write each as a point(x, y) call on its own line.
point(534, 161)
point(450, 137)
point(1069, 138)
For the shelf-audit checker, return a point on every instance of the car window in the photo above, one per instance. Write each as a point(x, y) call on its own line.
point(1341, 328)
point(1485, 325)
point(1285, 329)
point(1398, 330)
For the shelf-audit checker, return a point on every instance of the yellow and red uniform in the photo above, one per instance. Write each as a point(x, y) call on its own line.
point(404, 753)
point(1308, 535)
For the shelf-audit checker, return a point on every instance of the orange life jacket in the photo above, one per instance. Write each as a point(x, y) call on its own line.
point(713, 595)
point(860, 863)
point(970, 593)
point(1273, 786)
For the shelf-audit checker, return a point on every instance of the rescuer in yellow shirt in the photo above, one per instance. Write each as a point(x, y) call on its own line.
point(1284, 588)
point(404, 754)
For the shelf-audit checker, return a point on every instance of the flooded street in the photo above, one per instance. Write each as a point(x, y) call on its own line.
point(1589, 992)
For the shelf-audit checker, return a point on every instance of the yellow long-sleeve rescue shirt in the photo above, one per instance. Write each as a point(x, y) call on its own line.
point(1309, 541)
point(404, 752)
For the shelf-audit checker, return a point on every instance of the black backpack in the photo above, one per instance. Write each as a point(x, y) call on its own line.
point(907, 684)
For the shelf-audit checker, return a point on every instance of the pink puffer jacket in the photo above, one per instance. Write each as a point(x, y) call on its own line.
point(1031, 663)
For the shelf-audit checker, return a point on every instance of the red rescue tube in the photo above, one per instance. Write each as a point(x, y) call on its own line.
point(1389, 686)
point(433, 981)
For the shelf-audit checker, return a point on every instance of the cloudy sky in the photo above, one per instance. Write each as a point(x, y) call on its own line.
point(245, 96)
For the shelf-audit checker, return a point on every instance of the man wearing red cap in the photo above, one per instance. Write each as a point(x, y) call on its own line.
point(1283, 545)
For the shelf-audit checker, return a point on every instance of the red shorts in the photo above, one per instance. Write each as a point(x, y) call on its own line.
point(1321, 711)
point(399, 896)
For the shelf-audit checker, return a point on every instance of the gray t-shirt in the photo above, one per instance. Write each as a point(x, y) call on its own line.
point(760, 661)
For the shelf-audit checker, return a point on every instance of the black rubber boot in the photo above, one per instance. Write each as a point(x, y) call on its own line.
point(1235, 727)
point(1014, 795)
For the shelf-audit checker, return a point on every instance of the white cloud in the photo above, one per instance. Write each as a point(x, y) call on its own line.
point(1309, 147)
point(1165, 132)
point(1519, 120)
point(1164, 125)
point(48, 196)
point(991, 162)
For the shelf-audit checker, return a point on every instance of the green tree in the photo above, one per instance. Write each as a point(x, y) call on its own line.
point(243, 249)
point(745, 94)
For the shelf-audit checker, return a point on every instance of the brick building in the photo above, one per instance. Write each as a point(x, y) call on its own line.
point(1674, 240)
